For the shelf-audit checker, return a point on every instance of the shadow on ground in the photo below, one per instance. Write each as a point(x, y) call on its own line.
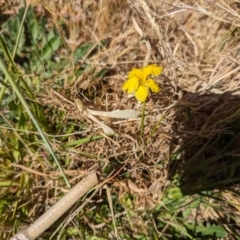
point(205, 152)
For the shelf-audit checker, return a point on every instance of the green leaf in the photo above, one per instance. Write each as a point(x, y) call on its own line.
point(102, 73)
point(82, 51)
point(51, 47)
point(42, 27)
point(34, 30)
point(16, 25)
point(191, 207)
point(174, 193)
point(97, 238)
point(208, 230)
point(3, 205)
point(51, 35)
point(72, 231)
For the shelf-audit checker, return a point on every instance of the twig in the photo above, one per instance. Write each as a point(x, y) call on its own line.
point(58, 209)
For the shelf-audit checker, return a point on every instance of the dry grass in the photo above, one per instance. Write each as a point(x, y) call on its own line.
point(195, 116)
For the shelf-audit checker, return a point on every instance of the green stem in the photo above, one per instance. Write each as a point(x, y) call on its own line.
point(142, 119)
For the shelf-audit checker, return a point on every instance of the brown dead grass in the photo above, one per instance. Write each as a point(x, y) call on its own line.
point(197, 43)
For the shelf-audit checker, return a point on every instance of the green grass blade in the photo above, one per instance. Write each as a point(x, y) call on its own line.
point(20, 30)
point(23, 101)
point(2, 91)
point(82, 141)
point(7, 53)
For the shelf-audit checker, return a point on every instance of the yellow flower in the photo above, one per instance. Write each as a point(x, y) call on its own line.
point(139, 83)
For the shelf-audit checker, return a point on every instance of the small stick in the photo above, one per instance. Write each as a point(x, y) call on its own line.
point(58, 209)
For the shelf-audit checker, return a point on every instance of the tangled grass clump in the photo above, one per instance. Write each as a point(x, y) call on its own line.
point(171, 173)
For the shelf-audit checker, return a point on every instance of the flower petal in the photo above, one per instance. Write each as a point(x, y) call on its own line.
point(131, 85)
point(136, 72)
point(152, 69)
point(142, 93)
point(152, 85)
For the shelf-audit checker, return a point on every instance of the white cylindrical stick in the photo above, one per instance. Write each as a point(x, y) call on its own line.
point(58, 209)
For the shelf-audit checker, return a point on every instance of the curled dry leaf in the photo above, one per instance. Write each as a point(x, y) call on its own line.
point(106, 129)
point(123, 114)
